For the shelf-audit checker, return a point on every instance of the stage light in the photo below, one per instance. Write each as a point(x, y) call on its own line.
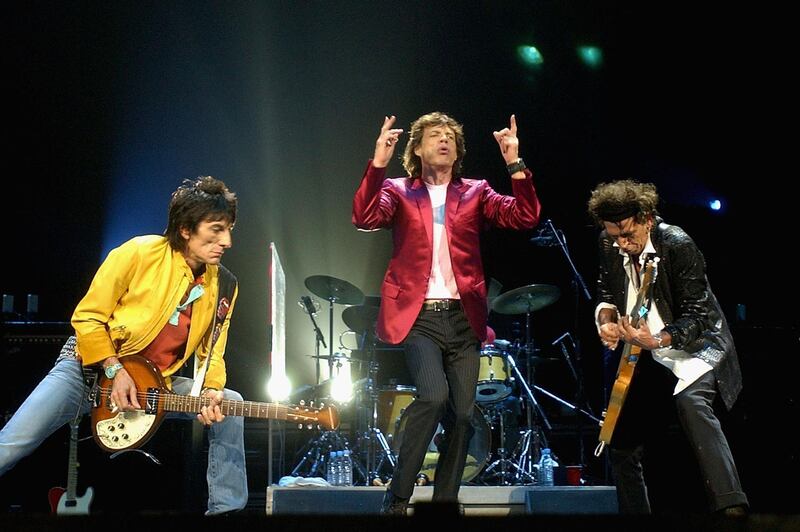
point(342, 386)
point(530, 55)
point(592, 56)
point(715, 205)
point(278, 388)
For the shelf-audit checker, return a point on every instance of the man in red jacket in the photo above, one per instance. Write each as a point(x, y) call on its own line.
point(433, 298)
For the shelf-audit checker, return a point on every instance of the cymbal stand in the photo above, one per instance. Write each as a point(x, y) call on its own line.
point(330, 335)
point(532, 438)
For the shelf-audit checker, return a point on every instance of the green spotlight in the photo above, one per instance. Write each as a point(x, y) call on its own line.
point(530, 55)
point(592, 56)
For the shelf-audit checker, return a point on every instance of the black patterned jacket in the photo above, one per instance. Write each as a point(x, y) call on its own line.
point(684, 300)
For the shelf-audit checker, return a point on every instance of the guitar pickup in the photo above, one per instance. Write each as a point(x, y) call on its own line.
point(151, 401)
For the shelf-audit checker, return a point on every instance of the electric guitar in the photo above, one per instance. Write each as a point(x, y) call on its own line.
point(115, 430)
point(628, 359)
point(64, 502)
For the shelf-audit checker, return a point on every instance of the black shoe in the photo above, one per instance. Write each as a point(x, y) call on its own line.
point(394, 505)
point(734, 512)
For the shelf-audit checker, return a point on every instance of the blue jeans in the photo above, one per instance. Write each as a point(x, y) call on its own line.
point(60, 396)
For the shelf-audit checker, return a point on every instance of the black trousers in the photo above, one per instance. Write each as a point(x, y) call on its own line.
point(442, 355)
point(646, 407)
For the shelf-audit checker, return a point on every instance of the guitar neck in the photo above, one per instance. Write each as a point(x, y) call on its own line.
point(72, 471)
point(188, 403)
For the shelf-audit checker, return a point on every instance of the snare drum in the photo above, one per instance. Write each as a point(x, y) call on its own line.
point(392, 402)
point(494, 378)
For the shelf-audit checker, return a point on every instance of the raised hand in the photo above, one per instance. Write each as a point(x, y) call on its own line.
point(384, 146)
point(507, 140)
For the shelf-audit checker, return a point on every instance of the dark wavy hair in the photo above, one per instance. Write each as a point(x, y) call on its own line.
point(411, 161)
point(201, 200)
point(618, 200)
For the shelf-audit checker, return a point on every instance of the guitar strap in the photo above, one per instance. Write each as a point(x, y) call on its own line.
point(226, 288)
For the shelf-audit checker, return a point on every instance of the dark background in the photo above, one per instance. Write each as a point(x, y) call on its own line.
point(108, 106)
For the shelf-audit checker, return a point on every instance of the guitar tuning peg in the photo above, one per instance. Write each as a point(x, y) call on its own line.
point(300, 426)
point(310, 426)
point(302, 402)
point(322, 405)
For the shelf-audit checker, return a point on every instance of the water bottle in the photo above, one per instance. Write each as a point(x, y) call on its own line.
point(546, 468)
point(347, 469)
point(332, 469)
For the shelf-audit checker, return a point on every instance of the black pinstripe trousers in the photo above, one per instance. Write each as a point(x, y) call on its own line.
point(442, 355)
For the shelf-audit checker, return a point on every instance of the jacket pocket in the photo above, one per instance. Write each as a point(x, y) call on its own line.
point(390, 290)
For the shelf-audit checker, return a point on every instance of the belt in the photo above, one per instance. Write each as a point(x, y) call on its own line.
point(441, 304)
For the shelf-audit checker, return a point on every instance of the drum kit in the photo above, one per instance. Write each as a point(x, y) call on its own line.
point(382, 395)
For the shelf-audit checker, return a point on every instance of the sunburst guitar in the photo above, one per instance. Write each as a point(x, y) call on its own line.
point(116, 430)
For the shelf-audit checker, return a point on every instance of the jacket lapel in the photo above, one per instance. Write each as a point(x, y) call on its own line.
point(420, 193)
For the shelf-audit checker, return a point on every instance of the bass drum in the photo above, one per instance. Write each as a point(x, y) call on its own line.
point(478, 453)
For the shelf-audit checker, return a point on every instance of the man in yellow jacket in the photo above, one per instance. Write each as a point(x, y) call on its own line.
point(154, 296)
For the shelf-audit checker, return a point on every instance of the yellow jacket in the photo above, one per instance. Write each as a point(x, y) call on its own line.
point(132, 296)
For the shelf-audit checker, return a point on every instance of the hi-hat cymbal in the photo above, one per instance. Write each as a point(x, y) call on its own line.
point(335, 290)
point(335, 356)
point(360, 318)
point(526, 299)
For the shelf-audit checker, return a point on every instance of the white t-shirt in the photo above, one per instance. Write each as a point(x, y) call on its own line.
point(442, 284)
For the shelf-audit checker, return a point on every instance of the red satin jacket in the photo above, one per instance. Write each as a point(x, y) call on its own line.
point(404, 205)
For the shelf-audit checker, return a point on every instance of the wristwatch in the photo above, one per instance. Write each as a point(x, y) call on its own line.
point(658, 338)
point(111, 371)
point(518, 166)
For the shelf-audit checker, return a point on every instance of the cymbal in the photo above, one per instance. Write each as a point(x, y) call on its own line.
point(335, 356)
point(526, 299)
point(360, 318)
point(335, 290)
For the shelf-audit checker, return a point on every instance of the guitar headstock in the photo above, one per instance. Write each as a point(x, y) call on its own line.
point(326, 416)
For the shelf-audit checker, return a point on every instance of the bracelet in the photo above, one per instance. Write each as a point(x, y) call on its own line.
point(518, 166)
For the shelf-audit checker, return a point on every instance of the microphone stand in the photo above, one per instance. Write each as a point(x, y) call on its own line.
point(558, 236)
point(580, 288)
point(320, 338)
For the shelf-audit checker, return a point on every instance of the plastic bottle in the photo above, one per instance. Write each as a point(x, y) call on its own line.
point(333, 467)
point(347, 468)
point(546, 468)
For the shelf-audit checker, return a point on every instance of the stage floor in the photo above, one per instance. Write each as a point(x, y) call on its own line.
point(476, 500)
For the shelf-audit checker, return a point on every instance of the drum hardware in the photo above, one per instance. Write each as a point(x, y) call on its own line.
point(332, 290)
point(581, 402)
point(505, 471)
point(316, 454)
point(372, 441)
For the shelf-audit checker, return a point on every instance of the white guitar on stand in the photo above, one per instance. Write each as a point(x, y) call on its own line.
point(65, 502)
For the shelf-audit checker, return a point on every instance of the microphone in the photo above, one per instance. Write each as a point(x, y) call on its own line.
point(310, 306)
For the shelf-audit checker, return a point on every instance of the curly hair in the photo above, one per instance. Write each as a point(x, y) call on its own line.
point(411, 161)
point(201, 200)
point(618, 200)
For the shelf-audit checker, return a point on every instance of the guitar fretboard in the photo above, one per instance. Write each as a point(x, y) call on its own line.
point(189, 403)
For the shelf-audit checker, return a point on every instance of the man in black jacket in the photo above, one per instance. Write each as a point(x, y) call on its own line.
point(684, 332)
